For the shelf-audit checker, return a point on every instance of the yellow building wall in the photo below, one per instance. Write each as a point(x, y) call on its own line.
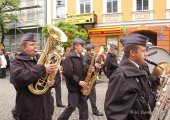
point(159, 9)
point(126, 10)
point(98, 10)
point(71, 7)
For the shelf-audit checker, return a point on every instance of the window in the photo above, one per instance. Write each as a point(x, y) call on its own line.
point(142, 4)
point(30, 14)
point(85, 6)
point(112, 6)
point(60, 9)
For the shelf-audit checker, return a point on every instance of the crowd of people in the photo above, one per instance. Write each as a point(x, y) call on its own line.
point(130, 92)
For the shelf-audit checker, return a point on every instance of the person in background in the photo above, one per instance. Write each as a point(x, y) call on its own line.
point(92, 96)
point(75, 71)
point(155, 80)
point(7, 59)
point(111, 60)
point(129, 91)
point(24, 70)
point(103, 63)
point(3, 64)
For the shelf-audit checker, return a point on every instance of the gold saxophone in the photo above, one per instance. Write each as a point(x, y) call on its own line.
point(49, 56)
point(162, 108)
point(91, 75)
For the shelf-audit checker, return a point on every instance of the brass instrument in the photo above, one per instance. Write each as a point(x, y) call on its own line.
point(162, 108)
point(49, 56)
point(91, 75)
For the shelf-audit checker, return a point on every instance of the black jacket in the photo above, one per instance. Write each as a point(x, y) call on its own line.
point(128, 94)
point(23, 71)
point(74, 70)
point(111, 64)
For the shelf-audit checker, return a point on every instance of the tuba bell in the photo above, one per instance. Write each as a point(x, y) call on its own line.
point(49, 55)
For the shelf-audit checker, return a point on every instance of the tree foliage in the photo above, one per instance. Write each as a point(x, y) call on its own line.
point(71, 31)
point(6, 15)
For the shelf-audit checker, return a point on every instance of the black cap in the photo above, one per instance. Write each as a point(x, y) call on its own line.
point(79, 41)
point(90, 46)
point(113, 46)
point(29, 37)
point(135, 38)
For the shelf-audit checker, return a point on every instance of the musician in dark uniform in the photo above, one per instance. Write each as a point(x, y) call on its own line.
point(111, 60)
point(92, 96)
point(155, 80)
point(129, 92)
point(24, 70)
point(75, 71)
point(58, 90)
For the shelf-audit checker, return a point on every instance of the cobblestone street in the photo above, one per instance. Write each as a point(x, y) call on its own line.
point(7, 100)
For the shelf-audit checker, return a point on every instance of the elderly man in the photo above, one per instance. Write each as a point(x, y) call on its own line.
point(129, 91)
point(24, 70)
point(111, 60)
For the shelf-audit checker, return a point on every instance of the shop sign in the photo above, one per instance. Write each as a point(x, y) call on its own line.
point(82, 18)
point(105, 32)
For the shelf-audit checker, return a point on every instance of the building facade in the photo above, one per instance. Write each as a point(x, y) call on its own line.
point(115, 18)
point(31, 18)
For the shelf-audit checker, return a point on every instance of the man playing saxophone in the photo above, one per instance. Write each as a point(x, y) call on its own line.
point(75, 71)
point(24, 71)
point(92, 96)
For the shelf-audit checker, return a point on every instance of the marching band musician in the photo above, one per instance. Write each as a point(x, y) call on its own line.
point(155, 80)
point(111, 60)
point(92, 96)
point(129, 93)
point(75, 71)
point(24, 70)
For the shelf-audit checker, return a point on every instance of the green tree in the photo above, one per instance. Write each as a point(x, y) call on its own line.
point(6, 8)
point(71, 31)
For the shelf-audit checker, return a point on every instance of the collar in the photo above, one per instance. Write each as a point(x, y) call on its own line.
point(25, 57)
point(130, 69)
point(134, 63)
point(72, 53)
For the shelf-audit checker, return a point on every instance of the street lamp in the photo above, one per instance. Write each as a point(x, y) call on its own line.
point(59, 5)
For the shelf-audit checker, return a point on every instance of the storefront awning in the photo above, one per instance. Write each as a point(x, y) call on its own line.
point(105, 31)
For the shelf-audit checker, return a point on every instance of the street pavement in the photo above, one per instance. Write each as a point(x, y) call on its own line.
point(8, 94)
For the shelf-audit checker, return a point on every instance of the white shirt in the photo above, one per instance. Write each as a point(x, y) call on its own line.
point(4, 62)
point(134, 63)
